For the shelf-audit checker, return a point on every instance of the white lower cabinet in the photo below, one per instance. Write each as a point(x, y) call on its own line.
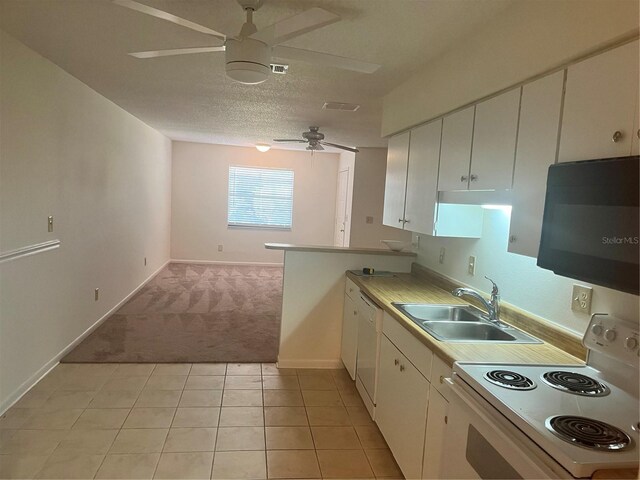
point(401, 410)
point(436, 423)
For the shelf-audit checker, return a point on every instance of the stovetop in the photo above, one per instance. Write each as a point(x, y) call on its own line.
point(537, 403)
point(587, 417)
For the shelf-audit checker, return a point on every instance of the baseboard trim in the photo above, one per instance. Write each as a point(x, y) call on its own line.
point(47, 367)
point(294, 363)
point(220, 262)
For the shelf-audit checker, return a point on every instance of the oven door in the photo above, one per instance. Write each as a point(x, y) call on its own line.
point(481, 443)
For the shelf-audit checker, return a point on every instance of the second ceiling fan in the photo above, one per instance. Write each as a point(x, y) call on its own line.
point(315, 140)
point(248, 55)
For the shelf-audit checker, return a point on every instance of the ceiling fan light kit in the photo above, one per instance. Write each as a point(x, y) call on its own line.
point(263, 147)
point(248, 61)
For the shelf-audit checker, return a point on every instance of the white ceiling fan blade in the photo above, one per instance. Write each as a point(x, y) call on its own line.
point(324, 59)
point(290, 140)
point(349, 149)
point(291, 27)
point(154, 12)
point(176, 51)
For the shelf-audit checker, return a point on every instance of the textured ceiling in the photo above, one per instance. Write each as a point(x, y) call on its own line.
point(190, 98)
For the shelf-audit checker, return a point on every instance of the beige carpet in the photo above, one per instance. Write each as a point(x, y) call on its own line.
point(193, 313)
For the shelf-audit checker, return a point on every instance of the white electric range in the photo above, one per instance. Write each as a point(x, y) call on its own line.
point(548, 421)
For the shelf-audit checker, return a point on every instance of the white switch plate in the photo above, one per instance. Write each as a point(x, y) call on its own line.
point(471, 267)
point(50, 223)
point(442, 252)
point(581, 299)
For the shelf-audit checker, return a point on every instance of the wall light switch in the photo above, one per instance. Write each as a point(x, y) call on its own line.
point(471, 267)
point(442, 252)
point(50, 223)
point(96, 294)
point(581, 299)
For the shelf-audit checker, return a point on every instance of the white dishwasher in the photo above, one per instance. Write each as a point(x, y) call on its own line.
point(369, 335)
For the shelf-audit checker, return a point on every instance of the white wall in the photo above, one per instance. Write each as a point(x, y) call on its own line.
point(521, 282)
point(199, 202)
point(529, 38)
point(368, 200)
point(105, 177)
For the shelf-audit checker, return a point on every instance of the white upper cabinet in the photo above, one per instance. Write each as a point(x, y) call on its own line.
point(600, 105)
point(536, 151)
point(455, 156)
point(396, 180)
point(422, 178)
point(494, 142)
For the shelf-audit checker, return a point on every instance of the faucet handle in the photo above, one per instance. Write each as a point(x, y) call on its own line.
point(494, 290)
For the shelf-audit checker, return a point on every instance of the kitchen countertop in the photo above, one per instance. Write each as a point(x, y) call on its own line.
point(411, 288)
point(405, 287)
point(332, 249)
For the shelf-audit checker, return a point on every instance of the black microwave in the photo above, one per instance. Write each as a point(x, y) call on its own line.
point(590, 222)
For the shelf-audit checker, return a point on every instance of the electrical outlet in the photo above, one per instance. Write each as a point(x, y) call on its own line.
point(471, 267)
point(442, 252)
point(581, 299)
point(220, 248)
point(50, 223)
point(96, 294)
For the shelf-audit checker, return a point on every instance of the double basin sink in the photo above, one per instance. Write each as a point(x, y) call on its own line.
point(461, 323)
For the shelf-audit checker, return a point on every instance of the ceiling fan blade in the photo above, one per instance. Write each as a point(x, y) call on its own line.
point(326, 59)
point(154, 12)
point(176, 51)
point(290, 140)
point(291, 27)
point(349, 149)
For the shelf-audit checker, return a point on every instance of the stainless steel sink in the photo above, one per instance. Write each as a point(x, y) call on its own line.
point(461, 323)
point(437, 313)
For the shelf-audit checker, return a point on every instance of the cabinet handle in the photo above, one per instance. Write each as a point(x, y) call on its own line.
point(617, 135)
point(638, 133)
point(474, 178)
point(402, 368)
point(441, 379)
point(396, 361)
point(406, 221)
point(446, 419)
point(400, 220)
point(355, 312)
point(512, 239)
point(464, 178)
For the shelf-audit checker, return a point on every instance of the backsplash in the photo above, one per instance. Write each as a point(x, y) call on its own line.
point(522, 283)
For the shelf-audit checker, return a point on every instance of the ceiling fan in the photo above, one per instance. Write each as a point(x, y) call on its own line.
point(315, 139)
point(249, 54)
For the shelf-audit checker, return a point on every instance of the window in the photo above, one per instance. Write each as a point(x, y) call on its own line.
point(260, 197)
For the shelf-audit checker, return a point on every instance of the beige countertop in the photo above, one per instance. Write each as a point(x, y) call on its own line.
point(332, 249)
point(413, 289)
point(417, 289)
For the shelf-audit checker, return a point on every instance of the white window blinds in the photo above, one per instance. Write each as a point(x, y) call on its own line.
point(260, 197)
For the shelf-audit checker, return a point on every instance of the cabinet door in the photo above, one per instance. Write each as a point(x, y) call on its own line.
point(396, 180)
point(436, 422)
point(494, 142)
point(349, 347)
point(422, 178)
point(401, 409)
point(455, 155)
point(537, 148)
point(599, 101)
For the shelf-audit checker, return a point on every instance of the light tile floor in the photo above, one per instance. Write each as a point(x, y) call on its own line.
point(183, 421)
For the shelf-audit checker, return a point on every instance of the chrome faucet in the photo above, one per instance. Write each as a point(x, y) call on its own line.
point(492, 307)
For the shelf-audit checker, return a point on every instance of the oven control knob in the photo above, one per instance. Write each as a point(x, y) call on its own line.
point(610, 335)
point(597, 330)
point(631, 343)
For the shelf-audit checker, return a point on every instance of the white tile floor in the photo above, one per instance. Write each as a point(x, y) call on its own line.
point(179, 421)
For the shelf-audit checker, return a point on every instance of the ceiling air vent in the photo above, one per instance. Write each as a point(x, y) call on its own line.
point(345, 107)
point(279, 68)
